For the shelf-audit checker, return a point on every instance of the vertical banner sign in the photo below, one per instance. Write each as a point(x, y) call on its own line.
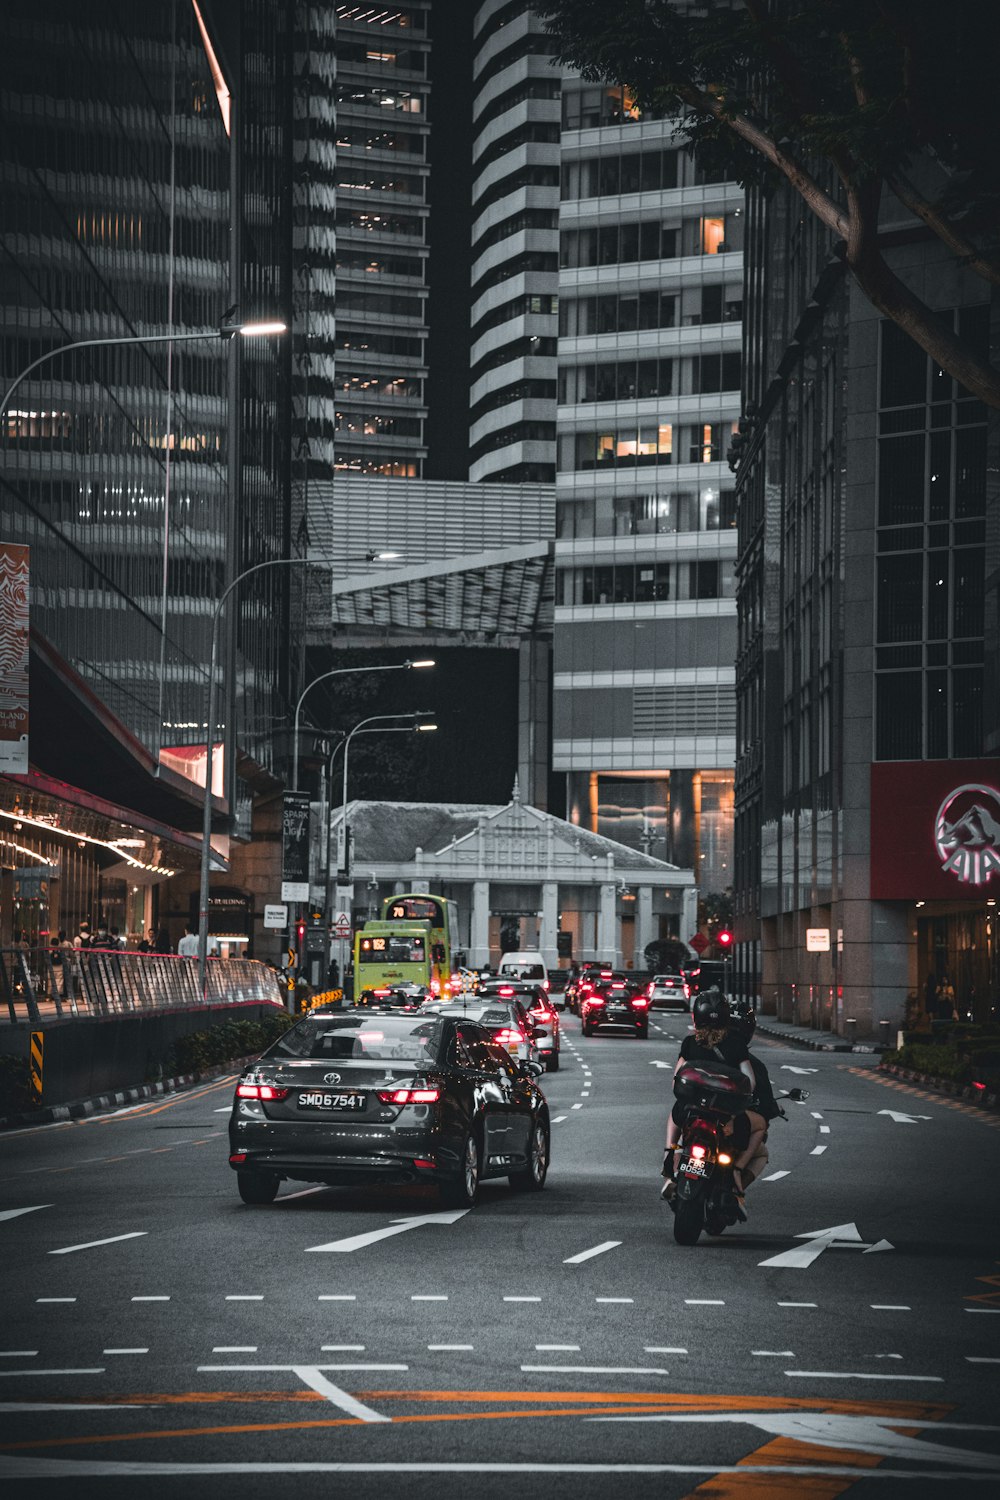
point(13, 659)
point(295, 844)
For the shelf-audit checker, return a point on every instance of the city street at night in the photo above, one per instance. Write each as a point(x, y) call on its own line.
point(159, 1333)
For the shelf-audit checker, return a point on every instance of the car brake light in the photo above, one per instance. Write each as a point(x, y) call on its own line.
point(542, 1015)
point(545, 984)
point(381, 993)
point(507, 1036)
point(619, 986)
point(640, 1001)
point(260, 1091)
point(506, 990)
point(594, 1000)
point(238, 1158)
point(698, 1152)
point(649, 989)
point(409, 1096)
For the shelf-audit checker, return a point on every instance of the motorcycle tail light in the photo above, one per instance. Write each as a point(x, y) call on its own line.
point(698, 1152)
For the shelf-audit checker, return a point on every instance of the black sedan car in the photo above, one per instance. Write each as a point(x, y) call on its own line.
point(384, 1096)
point(615, 1002)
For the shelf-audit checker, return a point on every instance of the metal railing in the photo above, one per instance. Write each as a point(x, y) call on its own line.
point(39, 984)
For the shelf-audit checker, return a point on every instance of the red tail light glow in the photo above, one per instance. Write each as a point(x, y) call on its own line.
point(649, 988)
point(507, 1036)
point(593, 1000)
point(409, 1096)
point(542, 1015)
point(640, 1002)
point(260, 1091)
point(545, 984)
point(238, 1158)
point(506, 990)
point(698, 1152)
point(724, 1159)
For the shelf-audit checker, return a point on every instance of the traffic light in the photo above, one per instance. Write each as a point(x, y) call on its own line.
point(724, 939)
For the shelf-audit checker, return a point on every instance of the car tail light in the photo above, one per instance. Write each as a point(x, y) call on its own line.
point(409, 1096)
point(507, 1036)
point(649, 988)
point(542, 1015)
point(545, 984)
point(619, 986)
point(238, 1158)
point(698, 1152)
point(594, 1000)
point(424, 1161)
point(506, 990)
point(640, 1001)
point(259, 1091)
point(381, 993)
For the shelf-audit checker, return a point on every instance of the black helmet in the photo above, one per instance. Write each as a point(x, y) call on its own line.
point(710, 1010)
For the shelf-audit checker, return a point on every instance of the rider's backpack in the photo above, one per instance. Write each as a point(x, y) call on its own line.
point(767, 1104)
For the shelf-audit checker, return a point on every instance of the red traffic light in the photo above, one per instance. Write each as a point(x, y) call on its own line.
point(724, 939)
point(300, 929)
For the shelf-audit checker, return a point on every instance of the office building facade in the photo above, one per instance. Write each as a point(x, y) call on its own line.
point(868, 811)
point(144, 184)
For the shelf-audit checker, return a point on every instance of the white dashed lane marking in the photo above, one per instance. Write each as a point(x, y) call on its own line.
point(577, 1260)
point(774, 1177)
point(817, 1151)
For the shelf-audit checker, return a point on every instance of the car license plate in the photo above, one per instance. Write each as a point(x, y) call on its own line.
point(322, 1100)
point(694, 1168)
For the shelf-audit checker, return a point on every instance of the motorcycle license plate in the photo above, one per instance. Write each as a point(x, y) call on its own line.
point(693, 1168)
point(322, 1100)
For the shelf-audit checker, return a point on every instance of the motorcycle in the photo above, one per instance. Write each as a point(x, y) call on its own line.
point(712, 1098)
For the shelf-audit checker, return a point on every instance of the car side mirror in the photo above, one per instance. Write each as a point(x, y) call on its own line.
point(531, 1069)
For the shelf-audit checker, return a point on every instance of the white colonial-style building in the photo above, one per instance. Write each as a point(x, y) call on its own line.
point(521, 878)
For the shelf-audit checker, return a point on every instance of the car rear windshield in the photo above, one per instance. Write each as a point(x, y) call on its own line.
point(523, 971)
point(379, 1038)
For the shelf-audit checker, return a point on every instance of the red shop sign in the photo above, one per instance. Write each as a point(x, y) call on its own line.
point(935, 830)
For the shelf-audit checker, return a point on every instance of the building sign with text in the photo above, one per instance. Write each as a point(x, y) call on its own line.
point(13, 659)
point(295, 840)
point(935, 830)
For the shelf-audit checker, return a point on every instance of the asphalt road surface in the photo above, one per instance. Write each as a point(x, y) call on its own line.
point(160, 1338)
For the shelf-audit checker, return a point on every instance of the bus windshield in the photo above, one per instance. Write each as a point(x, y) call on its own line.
point(414, 909)
point(392, 948)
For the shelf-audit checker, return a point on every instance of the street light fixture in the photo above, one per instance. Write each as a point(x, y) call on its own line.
point(402, 666)
point(344, 745)
point(223, 331)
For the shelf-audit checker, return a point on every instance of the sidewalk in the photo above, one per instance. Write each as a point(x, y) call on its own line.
point(816, 1041)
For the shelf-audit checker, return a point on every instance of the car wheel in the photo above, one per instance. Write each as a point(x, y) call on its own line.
point(532, 1179)
point(460, 1192)
point(552, 1066)
point(587, 1030)
point(258, 1187)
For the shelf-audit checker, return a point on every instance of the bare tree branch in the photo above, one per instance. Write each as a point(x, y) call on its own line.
point(962, 248)
point(822, 205)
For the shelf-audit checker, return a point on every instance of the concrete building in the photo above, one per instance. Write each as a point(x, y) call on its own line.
point(515, 243)
point(868, 794)
point(521, 878)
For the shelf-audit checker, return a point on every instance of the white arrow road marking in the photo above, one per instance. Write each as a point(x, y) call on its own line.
point(787, 1068)
point(317, 1381)
point(840, 1237)
point(903, 1119)
point(15, 1213)
point(398, 1226)
point(577, 1260)
point(872, 1435)
point(136, 1234)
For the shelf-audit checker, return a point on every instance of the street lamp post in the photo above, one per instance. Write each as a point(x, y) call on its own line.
point(345, 744)
point(403, 666)
point(224, 331)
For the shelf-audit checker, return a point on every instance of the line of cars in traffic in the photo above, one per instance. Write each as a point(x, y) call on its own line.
point(408, 1087)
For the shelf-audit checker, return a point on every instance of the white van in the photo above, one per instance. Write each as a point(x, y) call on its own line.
point(529, 966)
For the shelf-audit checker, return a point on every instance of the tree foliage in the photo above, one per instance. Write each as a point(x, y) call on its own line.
point(845, 100)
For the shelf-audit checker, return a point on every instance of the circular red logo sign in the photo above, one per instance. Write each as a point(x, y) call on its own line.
point(967, 833)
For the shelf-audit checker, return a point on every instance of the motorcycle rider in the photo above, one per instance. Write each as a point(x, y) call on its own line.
point(716, 1040)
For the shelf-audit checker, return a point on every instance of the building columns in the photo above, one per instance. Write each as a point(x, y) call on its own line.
point(644, 933)
point(479, 930)
point(607, 927)
point(550, 924)
point(689, 918)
